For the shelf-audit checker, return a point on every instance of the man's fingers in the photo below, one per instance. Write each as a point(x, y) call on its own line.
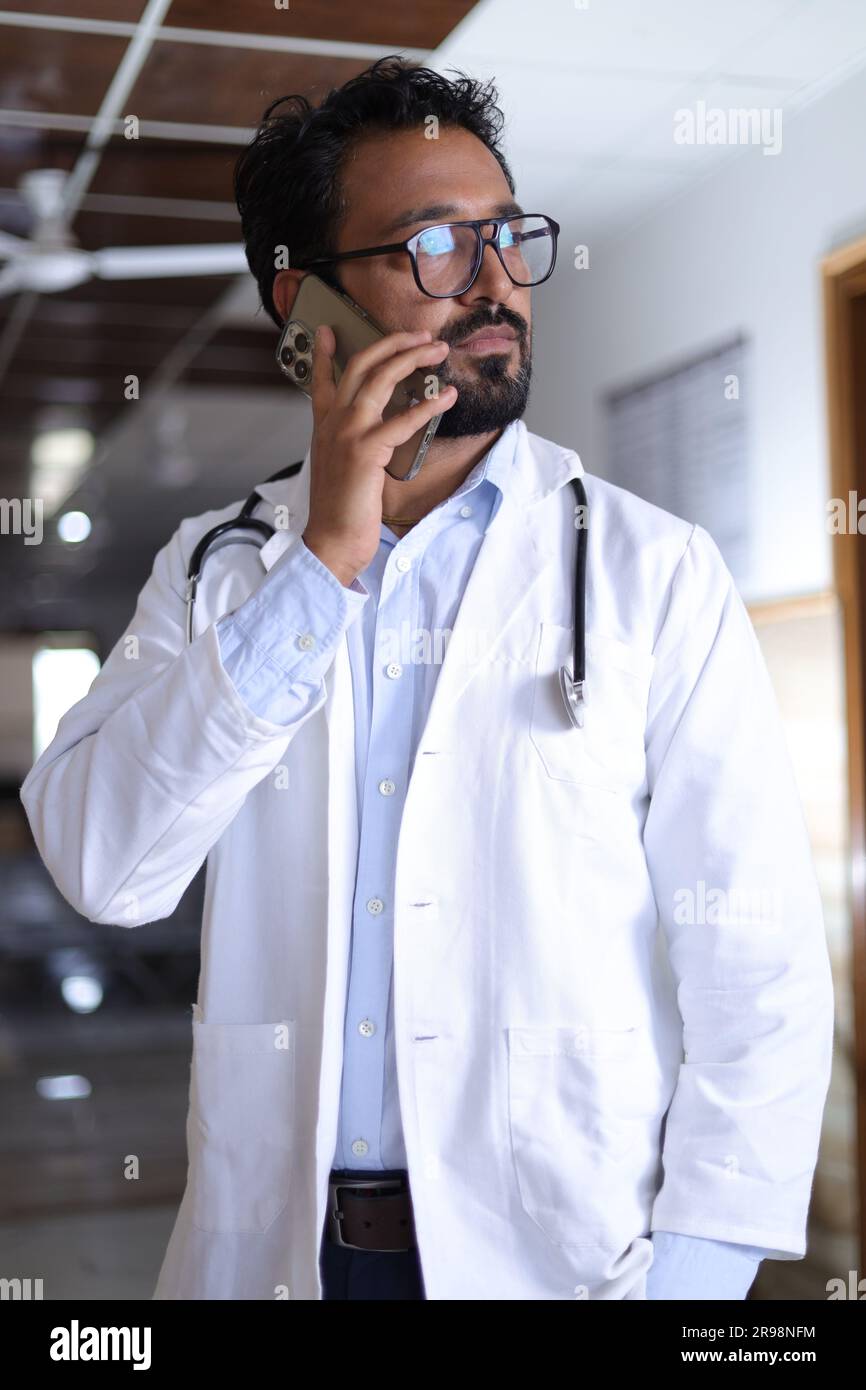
point(322, 385)
point(363, 361)
point(375, 391)
point(395, 431)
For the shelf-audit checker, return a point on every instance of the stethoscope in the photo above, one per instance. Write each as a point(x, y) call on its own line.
point(571, 683)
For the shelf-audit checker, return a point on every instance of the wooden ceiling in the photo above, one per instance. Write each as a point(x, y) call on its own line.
point(197, 74)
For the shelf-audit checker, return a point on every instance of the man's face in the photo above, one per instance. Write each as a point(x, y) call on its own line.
point(395, 184)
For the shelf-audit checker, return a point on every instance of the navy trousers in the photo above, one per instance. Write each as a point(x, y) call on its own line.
point(367, 1274)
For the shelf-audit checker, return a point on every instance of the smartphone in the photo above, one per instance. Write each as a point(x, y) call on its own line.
point(353, 329)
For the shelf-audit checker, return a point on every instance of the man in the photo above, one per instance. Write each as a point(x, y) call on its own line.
point(466, 1027)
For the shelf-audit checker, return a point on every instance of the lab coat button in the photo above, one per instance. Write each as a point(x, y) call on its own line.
point(366, 1028)
point(375, 905)
point(387, 787)
point(403, 563)
point(465, 511)
point(307, 642)
point(360, 1147)
point(393, 670)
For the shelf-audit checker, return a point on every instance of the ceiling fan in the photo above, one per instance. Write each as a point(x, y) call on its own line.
point(50, 259)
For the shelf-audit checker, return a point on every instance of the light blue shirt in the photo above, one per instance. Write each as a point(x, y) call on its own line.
point(397, 617)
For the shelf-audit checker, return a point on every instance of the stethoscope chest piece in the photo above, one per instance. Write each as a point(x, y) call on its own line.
point(572, 696)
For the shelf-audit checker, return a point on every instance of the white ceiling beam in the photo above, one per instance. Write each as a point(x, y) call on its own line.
point(171, 33)
point(143, 205)
point(157, 130)
point(112, 106)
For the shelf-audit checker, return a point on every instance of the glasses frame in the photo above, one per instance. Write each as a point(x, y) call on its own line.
point(410, 246)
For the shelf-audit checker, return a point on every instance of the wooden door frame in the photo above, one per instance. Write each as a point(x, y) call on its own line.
point(844, 279)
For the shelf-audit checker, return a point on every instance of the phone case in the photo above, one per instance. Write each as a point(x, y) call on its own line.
point(353, 329)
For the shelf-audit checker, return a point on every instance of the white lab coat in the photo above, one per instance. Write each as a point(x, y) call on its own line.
point(579, 991)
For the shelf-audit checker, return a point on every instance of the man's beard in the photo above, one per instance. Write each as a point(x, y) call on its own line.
point(490, 401)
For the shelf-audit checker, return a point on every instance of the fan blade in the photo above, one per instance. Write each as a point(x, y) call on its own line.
point(11, 279)
point(10, 245)
point(155, 262)
point(47, 272)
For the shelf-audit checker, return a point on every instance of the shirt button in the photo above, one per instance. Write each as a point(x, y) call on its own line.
point(360, 1147)
point(375, 905)
point(387, 787)
point(393, 670)
point(306, 642)
point(366, 1028)
point(465, 511)
point(403, 563)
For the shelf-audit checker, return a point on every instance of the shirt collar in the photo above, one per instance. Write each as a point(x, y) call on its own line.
point(519, 463)
point(496, 468)
point(497, 464)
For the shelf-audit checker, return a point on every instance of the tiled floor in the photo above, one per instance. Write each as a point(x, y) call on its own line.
point(90, 1255)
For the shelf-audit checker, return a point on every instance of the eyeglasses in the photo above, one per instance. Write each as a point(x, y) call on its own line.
point(447, 258)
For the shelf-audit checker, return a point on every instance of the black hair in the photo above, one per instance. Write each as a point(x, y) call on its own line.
point(287, 181)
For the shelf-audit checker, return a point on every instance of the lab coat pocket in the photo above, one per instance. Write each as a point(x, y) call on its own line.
point(580, 1114)
point(241, 1123)
point(609, 750)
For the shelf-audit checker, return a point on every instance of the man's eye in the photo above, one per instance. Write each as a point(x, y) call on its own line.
point(436, 241)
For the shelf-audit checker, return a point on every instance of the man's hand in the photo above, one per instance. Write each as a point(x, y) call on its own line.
point(352, 445)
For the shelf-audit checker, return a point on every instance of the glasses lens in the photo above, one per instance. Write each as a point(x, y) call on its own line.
point(528, 247)
point(446, 258)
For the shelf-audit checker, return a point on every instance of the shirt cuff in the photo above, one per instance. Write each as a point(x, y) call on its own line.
point(278, 644)
point(693, 1267)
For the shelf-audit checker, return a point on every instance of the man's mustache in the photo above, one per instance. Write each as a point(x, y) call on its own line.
point(473, 325)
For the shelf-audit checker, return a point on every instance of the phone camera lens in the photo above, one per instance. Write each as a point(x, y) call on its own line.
point(301, 371)
point(302, 342)
point(287, 357)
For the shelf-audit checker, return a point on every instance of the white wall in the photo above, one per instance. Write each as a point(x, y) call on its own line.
point(739, 251)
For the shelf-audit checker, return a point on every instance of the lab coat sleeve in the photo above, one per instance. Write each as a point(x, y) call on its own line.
point(147, 770)
point(730, 861)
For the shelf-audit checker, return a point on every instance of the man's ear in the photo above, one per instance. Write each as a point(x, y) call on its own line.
point(285, 291)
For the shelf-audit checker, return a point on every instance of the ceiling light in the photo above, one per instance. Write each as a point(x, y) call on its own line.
point(82, 993)
point(65, 448)
point(63, 1087)
point(74, 527)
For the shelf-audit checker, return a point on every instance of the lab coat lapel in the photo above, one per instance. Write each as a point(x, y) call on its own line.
point(500, 588)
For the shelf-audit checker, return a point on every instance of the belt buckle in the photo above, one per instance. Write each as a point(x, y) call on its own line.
point(335, 1233)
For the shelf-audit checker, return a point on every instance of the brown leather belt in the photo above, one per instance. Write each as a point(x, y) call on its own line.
point(370, 1211)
